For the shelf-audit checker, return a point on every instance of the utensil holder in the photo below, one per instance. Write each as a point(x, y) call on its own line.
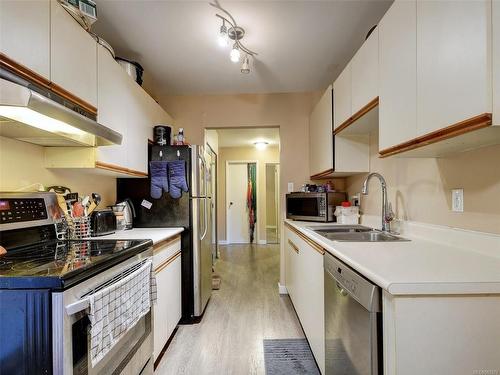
point(78, 228)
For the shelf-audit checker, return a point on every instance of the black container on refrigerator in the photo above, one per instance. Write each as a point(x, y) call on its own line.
point(188, 212)
point(162, 135)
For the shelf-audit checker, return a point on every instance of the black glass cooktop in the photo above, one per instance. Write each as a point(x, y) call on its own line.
point(61, 264)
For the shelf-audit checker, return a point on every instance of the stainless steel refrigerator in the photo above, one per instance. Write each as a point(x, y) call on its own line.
point(193, 211)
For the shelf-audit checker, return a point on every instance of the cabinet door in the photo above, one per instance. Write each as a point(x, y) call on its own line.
point(308, 293)
point(397, 74)
point(312, 311)
point(113, 86)
point(174, 306)
point(342, 105)
point(291, 259)
point(321, 135)
point(160, 319)
point(25, 33)
point(453, 62)
point(73, 55)
point(364, 70)
point(139, 129)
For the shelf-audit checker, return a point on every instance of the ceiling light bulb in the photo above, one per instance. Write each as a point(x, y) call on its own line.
point(261, 145)
point(245, 67)
point(223, 36)
point(235, 54)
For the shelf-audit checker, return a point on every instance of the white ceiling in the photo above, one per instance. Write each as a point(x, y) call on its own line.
point(247, 137)
point(302, 45)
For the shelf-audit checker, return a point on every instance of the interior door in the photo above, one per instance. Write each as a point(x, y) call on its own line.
point(236, 199)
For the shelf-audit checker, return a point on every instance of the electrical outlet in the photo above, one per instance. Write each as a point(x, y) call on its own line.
point(290, 187)
point(457, 200)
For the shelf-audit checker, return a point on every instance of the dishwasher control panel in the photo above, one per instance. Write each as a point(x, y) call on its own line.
point(350, 282)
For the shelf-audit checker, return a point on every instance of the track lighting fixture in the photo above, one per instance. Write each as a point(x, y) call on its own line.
point(235, 54)
point(235, 33)
point(245, 67)
point(223, 36)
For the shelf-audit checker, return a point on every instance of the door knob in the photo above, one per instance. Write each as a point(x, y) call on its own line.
point(230, 204)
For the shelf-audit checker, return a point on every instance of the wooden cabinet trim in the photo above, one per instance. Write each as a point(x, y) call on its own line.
point(474, 123)
point(165, 264)
point(310, 242)
point(118, 169)
point(30, 75)
point(356, 116)
point(159, 246)
point(322, 175)
point(293, 246)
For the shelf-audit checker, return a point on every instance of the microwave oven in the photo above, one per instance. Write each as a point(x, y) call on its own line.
point(313, 206)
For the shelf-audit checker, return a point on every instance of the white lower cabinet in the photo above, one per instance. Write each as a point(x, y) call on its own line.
point(441, 334)
point(167, 310)
point(305, 285)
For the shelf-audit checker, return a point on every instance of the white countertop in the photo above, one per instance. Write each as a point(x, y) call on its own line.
point(154, 234)
point(437, 260)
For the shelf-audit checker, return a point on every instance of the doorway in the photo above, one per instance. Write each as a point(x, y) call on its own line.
point(272, 203)
point(237, 213)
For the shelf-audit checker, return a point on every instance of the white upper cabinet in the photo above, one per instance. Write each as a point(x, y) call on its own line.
point(364, 73)
point(73, 55)
point(453, 62)
point(342, 105)
point(321, 135)
point(25, 33)
point(125, 107)
point(113, 93)
point(397, 75)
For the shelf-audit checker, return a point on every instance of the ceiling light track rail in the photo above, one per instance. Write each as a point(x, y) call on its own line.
point(234, 33)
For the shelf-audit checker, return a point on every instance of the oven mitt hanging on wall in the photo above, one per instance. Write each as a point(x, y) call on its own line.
point(177, 178)
point(159, 178)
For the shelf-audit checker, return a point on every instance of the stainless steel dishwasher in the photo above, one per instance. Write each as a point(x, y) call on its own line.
point(353, 321)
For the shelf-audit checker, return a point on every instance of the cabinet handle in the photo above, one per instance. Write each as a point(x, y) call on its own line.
point(293, 246)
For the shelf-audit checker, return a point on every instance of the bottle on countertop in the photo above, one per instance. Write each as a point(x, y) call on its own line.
point(180, 137)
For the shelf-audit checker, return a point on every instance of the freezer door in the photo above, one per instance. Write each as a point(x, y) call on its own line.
point(202, 254)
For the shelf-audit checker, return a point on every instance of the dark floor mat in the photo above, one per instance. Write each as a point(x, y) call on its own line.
point(289, 357)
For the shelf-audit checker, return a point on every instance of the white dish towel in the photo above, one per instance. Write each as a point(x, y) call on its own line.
point(117, 308)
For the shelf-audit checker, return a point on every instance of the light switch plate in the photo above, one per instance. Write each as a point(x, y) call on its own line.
point(457, 200)
point(290, 187)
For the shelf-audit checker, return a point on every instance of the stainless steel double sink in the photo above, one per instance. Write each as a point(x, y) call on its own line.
point(355, 233)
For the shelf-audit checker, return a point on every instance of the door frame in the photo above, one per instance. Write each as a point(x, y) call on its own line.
point(277, 202)
point(228, 162)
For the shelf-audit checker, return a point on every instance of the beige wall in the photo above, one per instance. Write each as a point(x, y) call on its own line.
point(21, 164)
point(289, 111)
point(269, 155)
point(212, 138)
point(420, 189)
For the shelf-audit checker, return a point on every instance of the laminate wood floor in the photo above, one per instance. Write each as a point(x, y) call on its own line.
point(245, 310)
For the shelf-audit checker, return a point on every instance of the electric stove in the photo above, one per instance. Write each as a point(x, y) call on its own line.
point(42, 275)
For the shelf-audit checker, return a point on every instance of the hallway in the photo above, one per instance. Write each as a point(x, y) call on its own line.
point(246, 310)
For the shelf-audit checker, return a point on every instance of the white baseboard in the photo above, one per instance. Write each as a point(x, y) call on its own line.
point(261, 242)
point(282, 289)
point(222, 242)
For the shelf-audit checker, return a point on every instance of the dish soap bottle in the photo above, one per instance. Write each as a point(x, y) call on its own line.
point(180, 137)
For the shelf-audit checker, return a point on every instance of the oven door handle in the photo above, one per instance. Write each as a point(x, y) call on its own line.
point(77, 306)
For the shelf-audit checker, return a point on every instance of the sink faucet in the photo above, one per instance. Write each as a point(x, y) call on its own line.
point(387, 214)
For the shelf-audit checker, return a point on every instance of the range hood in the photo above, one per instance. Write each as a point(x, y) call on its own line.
point(30, 114)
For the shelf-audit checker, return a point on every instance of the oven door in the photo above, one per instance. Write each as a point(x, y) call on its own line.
point(71, 335)
point(307, 207)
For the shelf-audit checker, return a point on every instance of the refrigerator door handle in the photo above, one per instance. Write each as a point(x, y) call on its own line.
point(205, 220)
